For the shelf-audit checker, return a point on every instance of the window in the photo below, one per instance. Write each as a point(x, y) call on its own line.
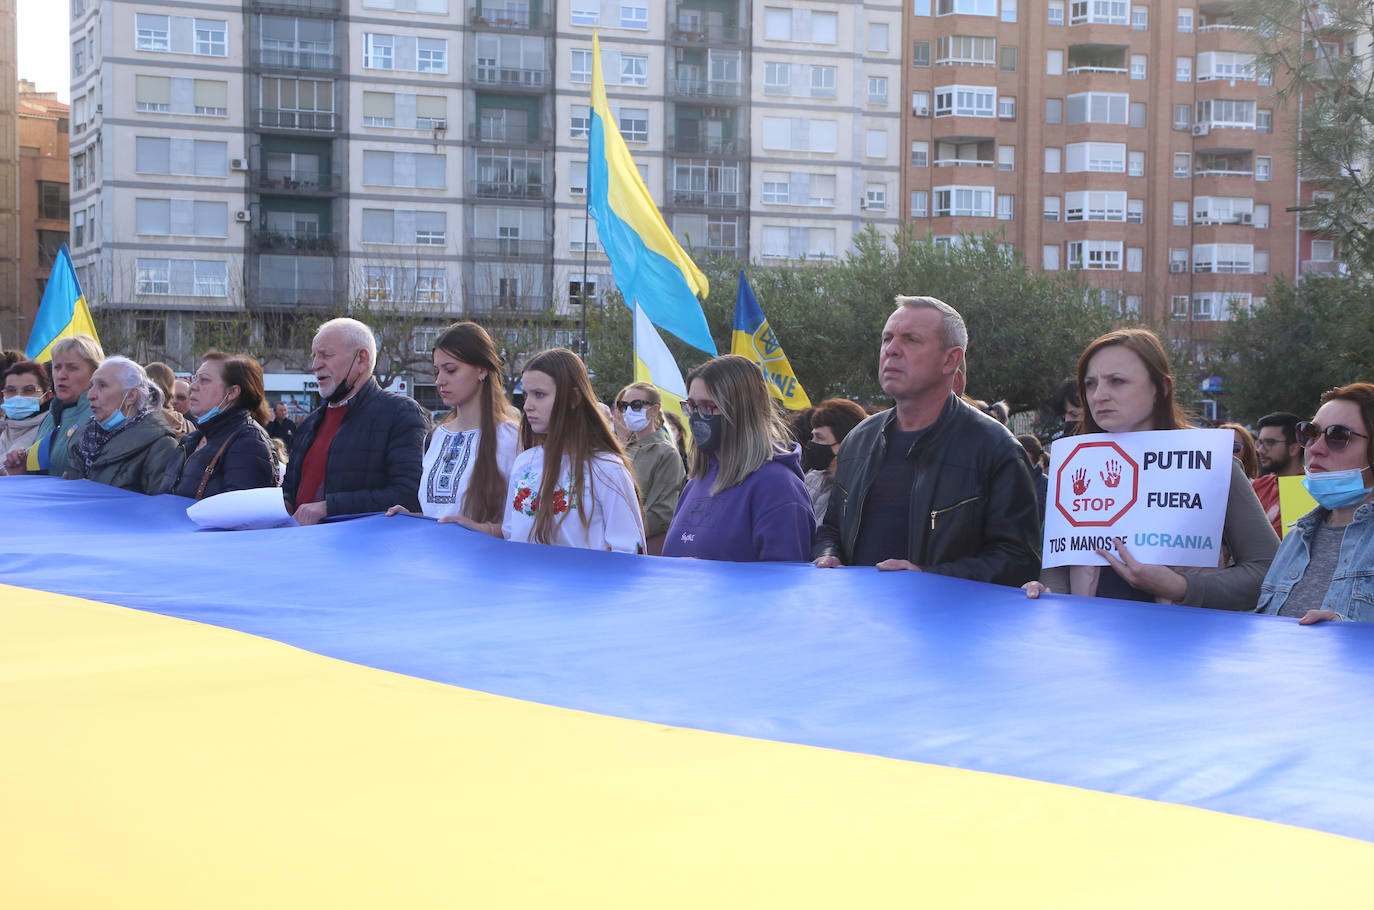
point(1095, 205)
point(1261, 217)
point(776, 188)
point(78, 56)
point(152, 94)
point(1185, 20)
point(1178, 306)
point(919, 204)
point(1182, 162)
point(1006, 157)
point(777, 24)
point(920, 154)
point(1138, 65)
point(1135, 211)
point(1224, 258)
point(1054, 63)
point(377, 52)
point(1095, 255)
point(920, 53)
point(1050, 208)
point(1228, 65)
point(920, 104)
point(777, 78)
point(1006, 108)
point(431, 55)
point(1178, 261)
point(1264, 121)
point(634, 124)
point(586, 12)
point(1263, 167)
point(579, 122)
point(1056, 12)
point(1180, 214)
point(404, 169)
point(181, 218)
point(969, 50)
point(875, 198)
point(1135, 258)
point(799, 134)
point(824, 27)
point(581, 66)
point(1098, 107)
point(965, 101)
point(1105, 12)
point(211, 38)
point(968, 201)
point(1099, 157)
point(1140, 18)
point(634, 70)
point(966, 7)
point(181, 277)
point(875, 144)
point(211, 98)
point(1135, 164)
point(878, 38)
point(877, 89)
point(1183, 116)
point(1006, 205)
point(1323, 250)
point(152, 33)
point(181, 157)
point(822, 81)
point(431, 286)
point(1049, 257)
point(1052, 159)
point(1006, 58)
point(634, 16)
point(1054, 110)
point(1183, 69)
point(1137, 116)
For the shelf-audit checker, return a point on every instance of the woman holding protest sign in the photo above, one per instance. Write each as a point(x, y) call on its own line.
point(1125, 386)
point(745, 500)
point(1324, 570)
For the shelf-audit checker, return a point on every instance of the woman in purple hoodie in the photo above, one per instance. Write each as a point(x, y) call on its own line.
point(745, 500)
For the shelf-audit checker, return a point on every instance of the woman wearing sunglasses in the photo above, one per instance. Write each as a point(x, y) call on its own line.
point(1243, 448)
point(638, 421)
point(744, 500)
point(1324, 570)
point(1125, 386)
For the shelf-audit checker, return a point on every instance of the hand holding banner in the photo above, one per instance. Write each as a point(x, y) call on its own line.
point(1164, 491)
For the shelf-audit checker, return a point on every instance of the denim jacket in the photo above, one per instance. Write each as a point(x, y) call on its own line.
point(1351, 594)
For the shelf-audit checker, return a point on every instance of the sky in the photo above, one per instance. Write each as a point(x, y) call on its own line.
point(44, 45)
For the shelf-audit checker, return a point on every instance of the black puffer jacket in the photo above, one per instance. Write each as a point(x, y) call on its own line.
point(971, 511)
point(248, 461)
point(375, 458)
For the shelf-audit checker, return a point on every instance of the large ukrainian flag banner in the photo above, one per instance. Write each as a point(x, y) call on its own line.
point(649, 266)
point(390, 712)
point(754, 338)
point(62, 313)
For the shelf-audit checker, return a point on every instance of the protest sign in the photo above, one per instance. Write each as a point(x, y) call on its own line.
point(1294, 501)
point(1164, 491)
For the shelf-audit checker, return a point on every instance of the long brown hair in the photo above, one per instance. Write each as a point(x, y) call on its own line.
point(470, 343)
point(1360, 394)
point(577, 431)
point(246, 373)
point(1144, 344)
point(752, 431)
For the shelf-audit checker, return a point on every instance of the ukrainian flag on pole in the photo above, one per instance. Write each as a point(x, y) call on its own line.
point(654, 364)
point(648, 265)
point(753, 338)
point(62, 313)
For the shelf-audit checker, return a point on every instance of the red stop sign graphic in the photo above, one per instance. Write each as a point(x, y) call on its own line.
point(1096, 485)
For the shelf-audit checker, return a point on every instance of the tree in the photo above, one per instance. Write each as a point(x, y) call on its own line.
point(1026, 329)
point(1306, 339)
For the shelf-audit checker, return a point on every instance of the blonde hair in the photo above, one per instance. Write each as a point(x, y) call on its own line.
point(84, 346)
point(650, 394)
point(753, 431)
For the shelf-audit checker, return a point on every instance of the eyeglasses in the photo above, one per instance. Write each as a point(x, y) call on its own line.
point(1262, 443)
point(638, 404)
point(699, 408)
point(1236, 448)
point(1337, 437)
point(29, 390)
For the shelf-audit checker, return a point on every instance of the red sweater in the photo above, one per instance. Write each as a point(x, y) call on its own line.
point(317, 457)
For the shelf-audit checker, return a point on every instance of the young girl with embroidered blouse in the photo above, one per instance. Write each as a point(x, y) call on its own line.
point(469, 457)
point(572, 486)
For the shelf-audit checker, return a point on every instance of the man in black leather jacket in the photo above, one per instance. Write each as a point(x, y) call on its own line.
point(933, 484)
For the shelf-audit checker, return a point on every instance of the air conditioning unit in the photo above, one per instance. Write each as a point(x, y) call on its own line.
point(238, 164)
point(1247, 218)
point(922, 112)
point(1178, 267)
point(243, 216)
point(100, 108)
point(1200, 129)
point(439, 124)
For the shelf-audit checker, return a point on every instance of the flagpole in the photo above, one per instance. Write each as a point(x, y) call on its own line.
point(586, 228)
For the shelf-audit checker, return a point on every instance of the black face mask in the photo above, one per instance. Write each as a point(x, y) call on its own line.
point(343, 389)
point(706, 431)
point(816, 456)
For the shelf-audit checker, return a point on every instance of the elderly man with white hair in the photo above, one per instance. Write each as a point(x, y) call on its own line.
point(126, 442)
point(361, 450)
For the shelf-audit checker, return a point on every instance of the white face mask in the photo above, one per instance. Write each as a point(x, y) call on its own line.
point(636, 420)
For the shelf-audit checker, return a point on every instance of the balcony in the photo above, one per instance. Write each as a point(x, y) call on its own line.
point(509, 134)
point(295, 60)
point(295, 6)
point(706, 35)
point(1324, 267)
point(532, 190)
point(706, 145)
point(509, 77)
point(294, 295)
point(506, 247)
point(707, 200)
point(508, 19)
point(305, 121)
point(708, 89)
point(964, 162)
point(506, 303)
point(297, 183)
point(297, 242)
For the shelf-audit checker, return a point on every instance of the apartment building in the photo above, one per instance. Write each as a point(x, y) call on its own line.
point(1136, 141)
point(12, 331)
point(43, 193)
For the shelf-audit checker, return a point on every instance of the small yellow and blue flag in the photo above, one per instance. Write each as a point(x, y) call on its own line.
point(754, 338)
point(63, 311)
point(650, 268)
point(655, 365)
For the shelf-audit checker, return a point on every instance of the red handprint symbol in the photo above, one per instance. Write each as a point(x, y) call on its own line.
point(1113, 475)
point(1080, 482)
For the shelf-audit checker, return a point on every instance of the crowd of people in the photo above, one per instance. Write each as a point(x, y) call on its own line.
point(935, 483)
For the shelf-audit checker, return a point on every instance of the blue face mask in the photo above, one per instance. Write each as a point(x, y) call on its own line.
point(19, 407)
point(1337, 489)
point(210, 414)
point(114, 420)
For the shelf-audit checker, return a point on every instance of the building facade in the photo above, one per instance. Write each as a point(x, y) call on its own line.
point(43, 192)
point(13, 332)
